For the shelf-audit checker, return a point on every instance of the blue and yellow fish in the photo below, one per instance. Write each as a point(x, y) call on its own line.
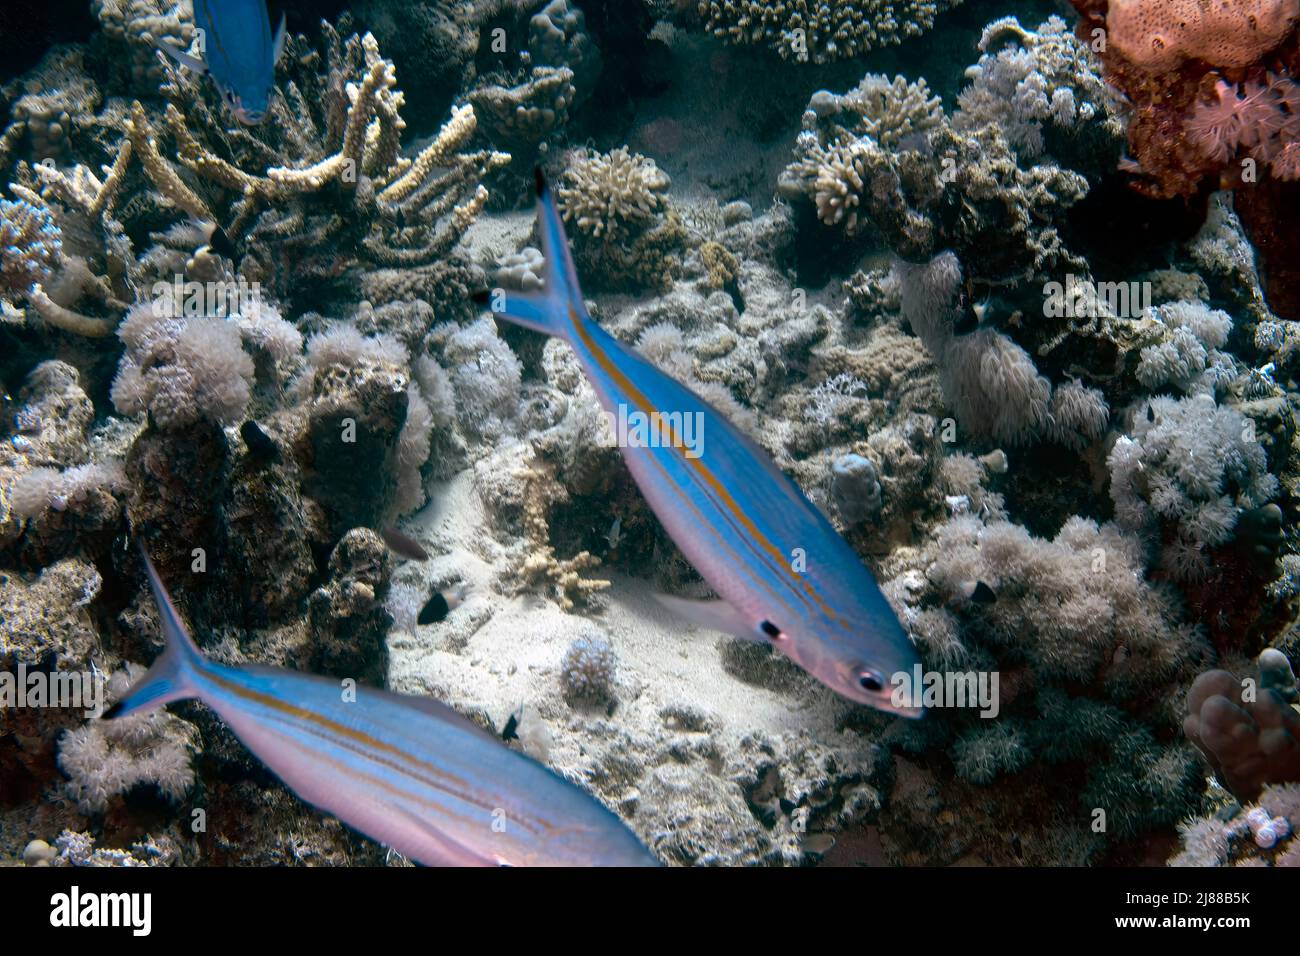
point(406, 771)
point(239, 54)
point(784, 576)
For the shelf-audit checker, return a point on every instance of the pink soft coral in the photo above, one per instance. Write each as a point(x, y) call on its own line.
point(1261, 118)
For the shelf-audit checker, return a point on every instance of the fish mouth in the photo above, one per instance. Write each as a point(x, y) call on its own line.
point(250, 117)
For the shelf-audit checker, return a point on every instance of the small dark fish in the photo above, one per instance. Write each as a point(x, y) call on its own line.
point(440, 605)
point(983, 594)
point(220, 243)
point(261, 446)
point(403, 545)
point(509, 731)
point(435, 610)
point(1151, 414)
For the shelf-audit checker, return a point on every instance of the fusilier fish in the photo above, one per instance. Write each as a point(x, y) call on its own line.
point(239, 54)
point(406, 771)
point(783, 574)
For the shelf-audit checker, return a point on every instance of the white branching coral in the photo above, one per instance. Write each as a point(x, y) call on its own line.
point(613, 194)
point(886, 111)
point(30, 246)
point(846, 138)
point(1028, 80)
point(332, 165)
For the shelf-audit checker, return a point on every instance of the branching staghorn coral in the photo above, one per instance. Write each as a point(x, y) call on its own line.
point(360, 139)
point(325, 171)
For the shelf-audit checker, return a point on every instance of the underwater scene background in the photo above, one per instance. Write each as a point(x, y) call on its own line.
point(1010, 289)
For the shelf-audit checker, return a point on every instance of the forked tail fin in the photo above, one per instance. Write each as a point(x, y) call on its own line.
point(558, 307)
point(173, 675)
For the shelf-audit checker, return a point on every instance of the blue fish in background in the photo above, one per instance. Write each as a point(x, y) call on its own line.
point(238, 53)
point(406, 771)
point(784, 576)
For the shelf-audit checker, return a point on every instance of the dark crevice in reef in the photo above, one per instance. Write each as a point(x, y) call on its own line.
point(28, 30)
point(1126, 231)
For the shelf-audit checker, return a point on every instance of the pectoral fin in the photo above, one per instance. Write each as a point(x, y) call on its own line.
point(716, 615)
point(184, 59)
point(440, 848)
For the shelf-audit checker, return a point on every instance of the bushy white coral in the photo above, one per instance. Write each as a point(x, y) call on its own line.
point(106, 758)
point(1189, 358)
point(181, 370)
point(1191, 463)
point(49, 489)
point(486, 378)
point(1030, 79)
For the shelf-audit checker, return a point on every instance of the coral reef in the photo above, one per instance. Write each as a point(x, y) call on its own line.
point(1211, 90)
point(807, 31)
point(1054, 416)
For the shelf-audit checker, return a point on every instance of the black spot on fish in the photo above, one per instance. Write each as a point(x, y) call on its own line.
point(435, 610)
point(508, 732)
point(788, 807)
point(261, 446)
point(983, 594)
point(770, 629)
point(539, 180)
point(112, 711)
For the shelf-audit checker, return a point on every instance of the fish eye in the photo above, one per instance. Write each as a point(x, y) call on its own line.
point(871, 681)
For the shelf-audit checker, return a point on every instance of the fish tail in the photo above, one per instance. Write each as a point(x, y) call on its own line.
point(559, 307)
point(174, 675)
